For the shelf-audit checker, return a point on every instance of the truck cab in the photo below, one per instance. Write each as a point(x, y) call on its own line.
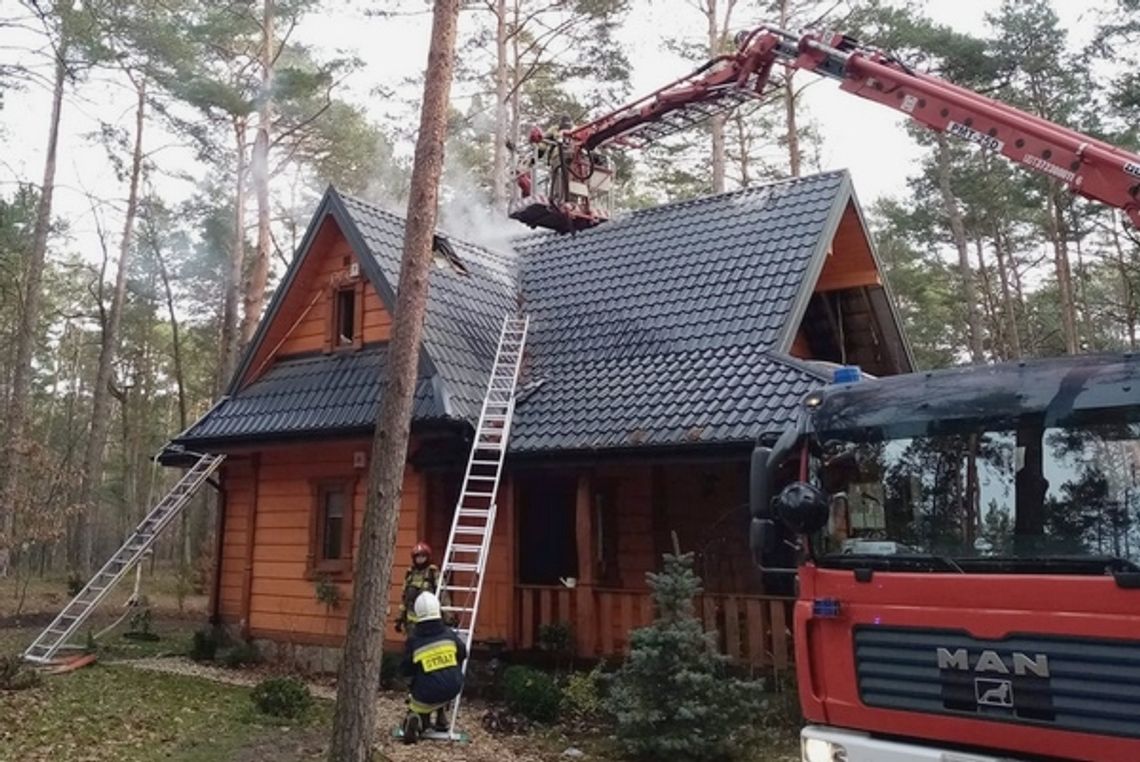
point(965, 550)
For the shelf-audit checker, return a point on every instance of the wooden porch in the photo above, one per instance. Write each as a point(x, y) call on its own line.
point(752, 630)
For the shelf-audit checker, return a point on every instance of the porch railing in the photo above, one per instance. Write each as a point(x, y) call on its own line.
point(750, 629)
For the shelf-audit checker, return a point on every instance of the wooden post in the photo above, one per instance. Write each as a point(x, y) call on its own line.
point(584, 531)
point(250, 544)
point(219, 553)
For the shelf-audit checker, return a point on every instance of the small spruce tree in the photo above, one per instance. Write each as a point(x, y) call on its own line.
point(673, 697)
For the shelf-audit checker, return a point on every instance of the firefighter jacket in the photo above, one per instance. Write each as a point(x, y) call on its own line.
point(433, 658)
point(416, 581)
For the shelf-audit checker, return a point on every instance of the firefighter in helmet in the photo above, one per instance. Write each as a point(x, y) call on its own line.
point(423, 576)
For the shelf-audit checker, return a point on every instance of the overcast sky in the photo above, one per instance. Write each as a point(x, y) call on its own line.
point(866, 138)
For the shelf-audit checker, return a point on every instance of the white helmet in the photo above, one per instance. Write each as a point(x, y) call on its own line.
point(426, 607)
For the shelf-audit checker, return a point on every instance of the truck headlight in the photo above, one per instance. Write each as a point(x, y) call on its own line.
point(819, 750)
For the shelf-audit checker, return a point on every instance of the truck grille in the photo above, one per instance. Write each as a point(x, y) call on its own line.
point(1092, 686)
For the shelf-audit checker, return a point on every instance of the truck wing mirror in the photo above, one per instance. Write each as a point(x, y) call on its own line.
point(759, 499)
point(764, 539)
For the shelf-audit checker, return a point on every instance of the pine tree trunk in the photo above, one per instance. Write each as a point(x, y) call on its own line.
point(19, 400)
point(1012, 331)
point(717, 123)
point(259, 276)
point(233, 275)
point(354, 723)
point(958, 233)
point(996, 330)
point(500, 186)
point(793, 132)
point(1058, 236)
point(92, 473)
point(792, 129)
point(1131, 299)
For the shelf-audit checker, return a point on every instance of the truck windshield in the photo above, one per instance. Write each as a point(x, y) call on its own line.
point(1014, 497)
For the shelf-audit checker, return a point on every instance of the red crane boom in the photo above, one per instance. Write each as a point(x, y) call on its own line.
point(1087, 166)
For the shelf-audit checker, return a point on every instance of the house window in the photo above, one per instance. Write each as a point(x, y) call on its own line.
point(345, 317)
point(330, 549)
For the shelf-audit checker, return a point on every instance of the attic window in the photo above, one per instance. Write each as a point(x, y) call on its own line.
point(444, 256)
point(345, 317)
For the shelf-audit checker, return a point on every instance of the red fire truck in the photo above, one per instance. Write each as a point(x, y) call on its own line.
point(964, 544)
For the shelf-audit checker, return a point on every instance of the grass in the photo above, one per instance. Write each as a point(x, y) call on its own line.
point(109, 712)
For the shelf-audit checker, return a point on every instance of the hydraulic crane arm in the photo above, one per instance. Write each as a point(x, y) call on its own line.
point(1087, 166)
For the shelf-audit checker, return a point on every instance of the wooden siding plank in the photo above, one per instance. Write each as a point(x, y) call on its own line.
point(606, 604)
point(731, 628)
point(757, 653)
point(526, 625)
point(779, 633)
point(627, 620)
point(545, 607)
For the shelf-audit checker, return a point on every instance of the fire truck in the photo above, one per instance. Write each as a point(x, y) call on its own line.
point(964, 545)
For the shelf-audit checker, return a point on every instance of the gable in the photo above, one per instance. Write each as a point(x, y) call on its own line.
point(301, 320)
point(847, 316)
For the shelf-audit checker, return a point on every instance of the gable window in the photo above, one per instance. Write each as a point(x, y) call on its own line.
point(345, 317)
point(330, 535)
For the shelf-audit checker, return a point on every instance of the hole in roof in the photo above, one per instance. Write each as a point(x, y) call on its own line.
point(444, 256)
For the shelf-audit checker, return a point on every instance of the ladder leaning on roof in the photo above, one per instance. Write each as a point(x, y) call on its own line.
point(465, 560)
point(68, 622)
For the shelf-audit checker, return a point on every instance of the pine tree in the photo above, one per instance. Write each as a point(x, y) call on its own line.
point(673, 697)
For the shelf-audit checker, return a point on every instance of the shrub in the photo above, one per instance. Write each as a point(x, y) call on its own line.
point(15, 675)
point(582, 695)
point(532, 693)
point(673, 697)
point(285, 697)
point(204, 645)
point(327, 592)
point(240, 655)
point(138, 625)
point(556, 637)
point(74, 584)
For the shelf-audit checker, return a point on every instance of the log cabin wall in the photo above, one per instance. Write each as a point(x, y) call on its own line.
point(266, 586)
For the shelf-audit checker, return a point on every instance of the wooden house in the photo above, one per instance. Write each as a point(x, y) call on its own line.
point(662, 345)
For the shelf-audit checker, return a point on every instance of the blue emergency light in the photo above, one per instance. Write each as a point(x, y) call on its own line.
point(847, 374)
point(825, 608)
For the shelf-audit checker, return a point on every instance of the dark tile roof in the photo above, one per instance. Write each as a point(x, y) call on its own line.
point(664, 327)
point(711, 396)
point(309, 395)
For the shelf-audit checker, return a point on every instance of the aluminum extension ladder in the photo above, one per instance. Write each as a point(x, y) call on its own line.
point(461, 577)
point(68, 622)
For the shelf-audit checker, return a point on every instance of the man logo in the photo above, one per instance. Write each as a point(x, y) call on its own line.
point(989, 661)
point(989, 692)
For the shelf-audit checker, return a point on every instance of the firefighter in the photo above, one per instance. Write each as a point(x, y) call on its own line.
point(422, 576)
point(433, 659)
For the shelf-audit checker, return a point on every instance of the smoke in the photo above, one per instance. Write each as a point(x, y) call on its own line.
point(465, 210)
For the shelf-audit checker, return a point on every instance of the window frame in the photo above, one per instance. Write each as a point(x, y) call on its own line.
point(333, 314)
point(316, 565)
